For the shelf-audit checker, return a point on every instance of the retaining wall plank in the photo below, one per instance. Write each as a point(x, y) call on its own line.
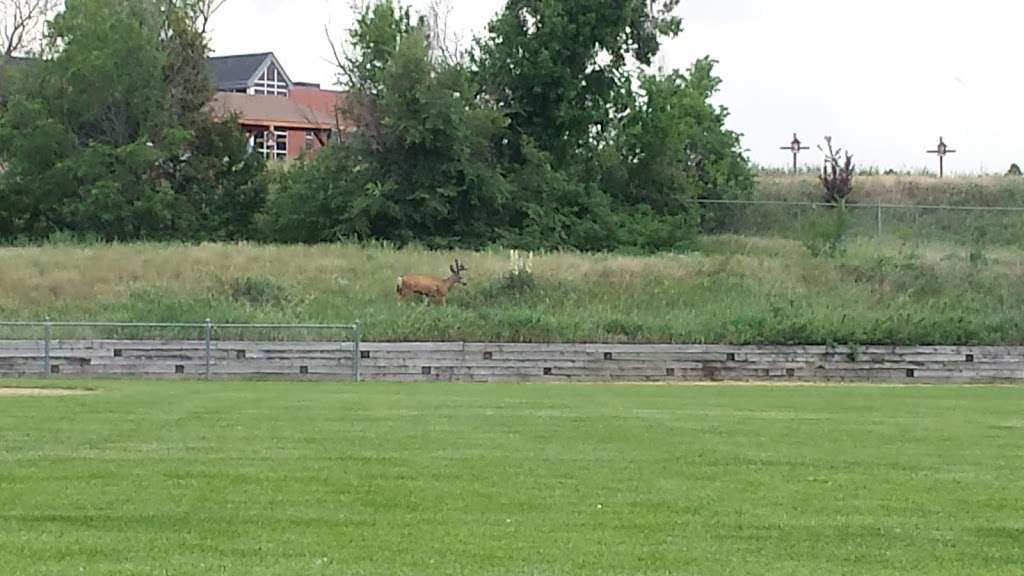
point(427, 361)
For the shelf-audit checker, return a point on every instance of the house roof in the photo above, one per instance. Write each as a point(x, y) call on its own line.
point(226, 72)
point(328, 102)
point(238, 71)
point(268, 111)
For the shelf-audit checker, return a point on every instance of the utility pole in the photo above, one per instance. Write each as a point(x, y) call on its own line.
point(941, 150)
point(795, 147)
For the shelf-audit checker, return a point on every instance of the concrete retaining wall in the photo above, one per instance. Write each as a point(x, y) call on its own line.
point(513, 362)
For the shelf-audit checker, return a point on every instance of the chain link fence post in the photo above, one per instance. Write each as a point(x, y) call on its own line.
point(357, 337)
point(208, 334)
point(47, 326)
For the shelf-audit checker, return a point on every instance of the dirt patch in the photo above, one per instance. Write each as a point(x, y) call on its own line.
point(9, 392)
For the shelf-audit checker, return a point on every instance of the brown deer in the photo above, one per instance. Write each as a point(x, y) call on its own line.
point(430, 286)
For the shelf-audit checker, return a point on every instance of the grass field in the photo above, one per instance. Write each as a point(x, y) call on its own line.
point(259, 479)
point(732, 290)
point(933, 278)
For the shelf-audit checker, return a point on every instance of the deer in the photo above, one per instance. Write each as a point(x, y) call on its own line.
point(431, 286)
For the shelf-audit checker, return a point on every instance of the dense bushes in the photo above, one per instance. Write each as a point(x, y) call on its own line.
point(513, 148)
point(543, 136)
point(107, 134)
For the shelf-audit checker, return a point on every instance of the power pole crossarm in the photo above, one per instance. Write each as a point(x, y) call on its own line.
point(941, 150)
point(795, 147)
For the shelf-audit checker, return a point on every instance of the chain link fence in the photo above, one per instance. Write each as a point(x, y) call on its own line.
point(966, 225)
point(33, 347)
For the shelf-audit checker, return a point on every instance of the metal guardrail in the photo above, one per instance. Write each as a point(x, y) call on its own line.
point(355, 331)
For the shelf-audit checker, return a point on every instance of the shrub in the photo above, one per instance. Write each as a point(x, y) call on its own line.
point(519, 278)
point(826, 232)
point(836, 176)
point(257, 291)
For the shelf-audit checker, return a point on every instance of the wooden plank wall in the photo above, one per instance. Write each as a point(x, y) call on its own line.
point(514, 362)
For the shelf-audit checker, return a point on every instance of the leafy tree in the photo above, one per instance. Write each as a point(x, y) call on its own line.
point(37, 178)
point(560, 69)
point(107, 77)
point(133, 154)
point(550, 136)
point(676, 147)
point(421, 165)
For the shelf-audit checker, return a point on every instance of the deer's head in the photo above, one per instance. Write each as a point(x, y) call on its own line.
point(457, 269)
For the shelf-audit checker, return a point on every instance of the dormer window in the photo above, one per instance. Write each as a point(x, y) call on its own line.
point(271, 82)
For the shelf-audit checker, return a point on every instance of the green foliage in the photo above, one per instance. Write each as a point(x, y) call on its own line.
point(307, 203)
point(553, 135)
point(107, 135)
point(676, 148)
point(561, 68)
point(420, 167)
point(446, 154)
point(519, 278)
point(736, 290)
point(826, 231)
point(257, 291)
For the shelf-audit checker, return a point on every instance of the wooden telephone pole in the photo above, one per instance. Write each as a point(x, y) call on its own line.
point(795, 147)
point(941, 150)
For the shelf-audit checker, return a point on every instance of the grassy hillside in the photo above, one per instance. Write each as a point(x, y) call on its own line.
point(734, 290)
point(909, 213)
point(382, 479)
point(902, 189)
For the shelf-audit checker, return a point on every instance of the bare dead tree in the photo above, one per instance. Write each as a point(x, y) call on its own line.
point(359, 105)
point(445, 44)
point(204, 11)
point(836, 175)
point(22, 23)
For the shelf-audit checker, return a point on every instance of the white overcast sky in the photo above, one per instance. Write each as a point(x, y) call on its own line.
point(885, 78)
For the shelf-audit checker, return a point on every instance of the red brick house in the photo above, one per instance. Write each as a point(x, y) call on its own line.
point(283, 119)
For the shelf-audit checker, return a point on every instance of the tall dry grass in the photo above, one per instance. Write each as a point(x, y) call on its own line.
point(901, 189)
point(735, 289)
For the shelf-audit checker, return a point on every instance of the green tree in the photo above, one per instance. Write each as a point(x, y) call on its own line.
point(421, 165)
point(551, 136)
point(676, 146)
point(561, 68)
point(121, 93)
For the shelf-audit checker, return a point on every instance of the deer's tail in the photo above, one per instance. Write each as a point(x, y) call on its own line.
point(398, 285)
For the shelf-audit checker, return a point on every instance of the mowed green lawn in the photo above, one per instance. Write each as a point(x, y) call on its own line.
point(319, 478)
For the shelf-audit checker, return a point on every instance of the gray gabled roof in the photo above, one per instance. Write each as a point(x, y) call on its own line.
point(233, 72)
point(226, 72)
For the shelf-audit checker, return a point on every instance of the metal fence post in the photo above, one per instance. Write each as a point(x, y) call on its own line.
point(357, 336)
point(878, 220)
point(208, 331)
point(46, 346)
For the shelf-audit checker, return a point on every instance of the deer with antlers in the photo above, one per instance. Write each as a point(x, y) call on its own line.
point(431, 286)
